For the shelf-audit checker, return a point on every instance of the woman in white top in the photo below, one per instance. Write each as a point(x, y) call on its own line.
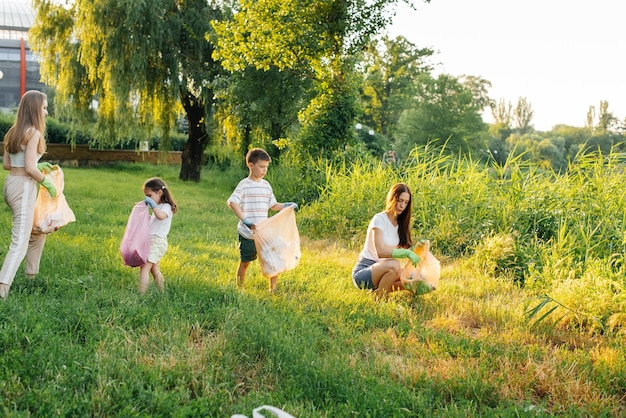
point(388, 238)
point(24, 144)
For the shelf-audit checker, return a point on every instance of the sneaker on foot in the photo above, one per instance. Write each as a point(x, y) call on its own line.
point(4, 290)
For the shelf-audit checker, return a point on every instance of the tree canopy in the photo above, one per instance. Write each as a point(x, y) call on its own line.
point(138, 60)
point(445, 111)
point(391, 70)
point(301, 75)
point(314, 39)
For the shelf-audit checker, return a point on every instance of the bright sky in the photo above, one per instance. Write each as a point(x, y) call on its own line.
point(561, 55)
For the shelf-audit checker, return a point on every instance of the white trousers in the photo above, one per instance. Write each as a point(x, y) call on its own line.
point(20, 193)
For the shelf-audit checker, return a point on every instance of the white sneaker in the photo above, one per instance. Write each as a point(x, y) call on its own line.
point(4, 290)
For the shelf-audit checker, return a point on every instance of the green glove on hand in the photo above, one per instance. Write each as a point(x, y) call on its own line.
point(46, 167)
point(47, 183)
point(405, 253)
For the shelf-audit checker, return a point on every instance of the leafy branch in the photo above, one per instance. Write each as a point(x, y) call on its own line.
point(553, 304)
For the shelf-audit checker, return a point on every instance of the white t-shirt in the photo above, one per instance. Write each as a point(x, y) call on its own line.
point(381, 222)
point(255, 199)
point(161, 227)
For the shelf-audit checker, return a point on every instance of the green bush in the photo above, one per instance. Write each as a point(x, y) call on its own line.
point(58, 132)
point(6, 121)
point(222, 157)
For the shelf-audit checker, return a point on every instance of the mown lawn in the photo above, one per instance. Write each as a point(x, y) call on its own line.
point(79, 340)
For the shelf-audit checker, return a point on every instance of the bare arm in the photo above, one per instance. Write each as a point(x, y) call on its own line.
point(237, 209)
point(160, 214)
point(6, 160)
point(383, 250)
point(30, 158)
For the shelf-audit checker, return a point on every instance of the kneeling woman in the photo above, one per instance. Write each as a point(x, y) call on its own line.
point(388, 238)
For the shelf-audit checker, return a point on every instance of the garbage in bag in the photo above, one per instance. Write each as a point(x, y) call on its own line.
point(135, 245)
point(52, 213)
point(277, 243)
point(424, 277)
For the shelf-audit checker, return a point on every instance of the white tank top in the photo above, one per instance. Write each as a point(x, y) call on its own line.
point(17, 159)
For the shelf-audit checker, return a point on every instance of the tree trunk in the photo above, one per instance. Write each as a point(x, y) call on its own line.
point(276, 133)
point(245, 143)
point(193, 152)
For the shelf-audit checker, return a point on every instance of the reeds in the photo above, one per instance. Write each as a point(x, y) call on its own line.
point(536, 227)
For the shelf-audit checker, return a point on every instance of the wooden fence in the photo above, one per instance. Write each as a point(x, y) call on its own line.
point(83, 156)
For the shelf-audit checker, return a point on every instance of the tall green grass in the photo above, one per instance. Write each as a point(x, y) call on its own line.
point(560, 235)
point(80, 341)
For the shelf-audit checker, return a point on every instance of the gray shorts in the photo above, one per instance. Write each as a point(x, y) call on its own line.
point(362, 274)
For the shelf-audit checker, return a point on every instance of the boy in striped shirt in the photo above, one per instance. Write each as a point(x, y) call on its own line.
point(251, 200)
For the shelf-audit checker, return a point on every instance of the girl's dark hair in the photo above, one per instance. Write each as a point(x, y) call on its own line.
point(155, 184)
point(404, 219)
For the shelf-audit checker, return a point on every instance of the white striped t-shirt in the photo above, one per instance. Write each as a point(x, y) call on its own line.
point(255, 199)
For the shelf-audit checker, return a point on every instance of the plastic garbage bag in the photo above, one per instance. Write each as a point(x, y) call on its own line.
point(135, 246)
point(424, 277)
point(277, 243)
point(52, 213)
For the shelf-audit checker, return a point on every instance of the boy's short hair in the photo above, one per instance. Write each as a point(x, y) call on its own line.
point(257, 154)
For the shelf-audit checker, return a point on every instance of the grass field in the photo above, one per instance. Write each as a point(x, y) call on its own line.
point(80, 341)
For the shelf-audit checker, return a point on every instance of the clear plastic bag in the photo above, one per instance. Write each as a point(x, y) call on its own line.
point(52, 213)
point(424, 277)
point(277, 243)
point(135, 246)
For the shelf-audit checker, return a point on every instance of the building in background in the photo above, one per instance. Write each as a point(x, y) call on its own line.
point(19, 69)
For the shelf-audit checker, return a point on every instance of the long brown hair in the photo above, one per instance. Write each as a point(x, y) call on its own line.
point(155, 184)
point(29, 115)
point(404, 219)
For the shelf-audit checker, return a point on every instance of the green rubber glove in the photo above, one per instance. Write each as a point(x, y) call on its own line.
point(47, 183)
point(406, 253)
point(46, 167)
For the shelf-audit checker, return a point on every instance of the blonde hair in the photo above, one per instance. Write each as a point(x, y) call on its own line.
point(29, 115)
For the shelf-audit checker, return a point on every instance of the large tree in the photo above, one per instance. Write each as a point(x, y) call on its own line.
point(313, 38)
point(138, 60)
point(502, 113)
point(523, 115)
point(391, 68)
point(446, 110)
point(606, 120)
point(261, 107)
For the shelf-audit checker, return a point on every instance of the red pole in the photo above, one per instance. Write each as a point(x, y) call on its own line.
point(22, 67)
